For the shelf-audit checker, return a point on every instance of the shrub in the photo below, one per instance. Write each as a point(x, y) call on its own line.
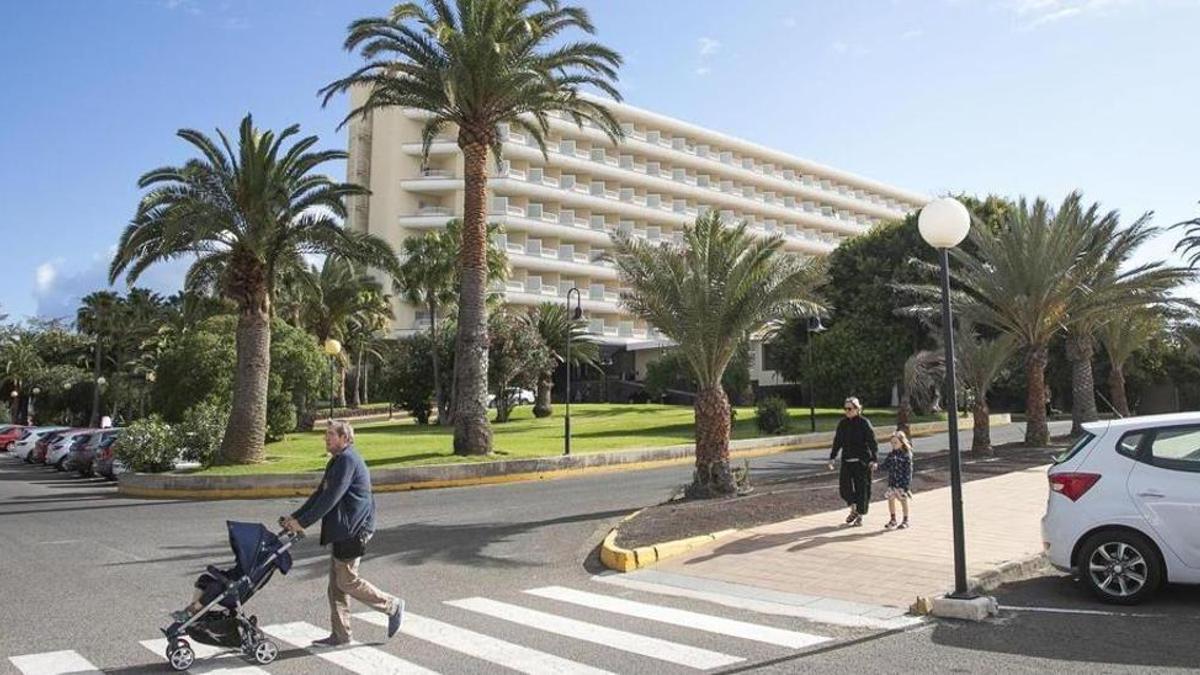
point(148, 445)
point(771, 415)
point(281, 412)
point(199, 434)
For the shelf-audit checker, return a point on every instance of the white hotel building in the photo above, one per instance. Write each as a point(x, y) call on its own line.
point(558, 212)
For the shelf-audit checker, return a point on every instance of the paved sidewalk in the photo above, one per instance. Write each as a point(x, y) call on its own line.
point(817, 556)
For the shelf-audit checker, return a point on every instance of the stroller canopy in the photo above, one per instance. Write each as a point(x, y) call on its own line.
point(252, 545)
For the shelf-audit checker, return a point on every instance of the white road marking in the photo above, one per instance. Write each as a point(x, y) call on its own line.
point(654, 648)
point(680, 617)
point(53, 663)
point(1090, 612)
point(221, 663)
point(499, 652)
point(355, 657)
point(762, 606)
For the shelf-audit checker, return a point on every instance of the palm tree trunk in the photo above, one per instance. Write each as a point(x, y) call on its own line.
point(358, 378)
point(1080, 350)
point(904, 413)
point(543, 406)
point(247, 426)
point(713, 477)
point(1037, 433)
point(1116, 389)
point(439, 398)
point(95, 418)
point(366, 383)
point(981, 434)
point(472, 434)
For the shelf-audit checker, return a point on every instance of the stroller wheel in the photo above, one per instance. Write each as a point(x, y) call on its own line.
point(180, 656)
point(265, 652)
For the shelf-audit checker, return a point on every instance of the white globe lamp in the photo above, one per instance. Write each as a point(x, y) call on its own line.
point(944, 223)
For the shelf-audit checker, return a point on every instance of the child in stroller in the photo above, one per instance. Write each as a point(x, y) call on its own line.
point(215, 615)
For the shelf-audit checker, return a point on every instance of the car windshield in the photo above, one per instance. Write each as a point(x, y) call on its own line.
point(1074, 449)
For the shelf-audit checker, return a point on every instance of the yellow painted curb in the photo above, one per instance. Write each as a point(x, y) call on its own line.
point(626, 560)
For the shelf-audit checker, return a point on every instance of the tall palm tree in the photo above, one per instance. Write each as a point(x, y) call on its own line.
point(979, 362)
point(1106, 282)
point(1129, 329)
point(21, 363)
point(474, 65)
point(1019, 279)
point(363, 330)
point(708, 294)
point(244, 214)
point(97, 318)
point(554, 323)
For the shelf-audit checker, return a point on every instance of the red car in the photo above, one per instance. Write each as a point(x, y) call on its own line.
point(8, 434)
point(38, 455)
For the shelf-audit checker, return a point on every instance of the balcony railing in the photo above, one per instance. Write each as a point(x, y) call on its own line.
point(434, 211)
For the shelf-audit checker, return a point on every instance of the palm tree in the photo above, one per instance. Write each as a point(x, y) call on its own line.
point(97, 318)
point(708, 294)
point(1106, 282)
point(1019, 279)
point(1189, 244)
point(474, 66)
point(21, 362)
point(429, 278)
point(979, 362)
point(1127, 331)
point(554, 323)
point(244, 215)
point(363, 329)
point(924, 375)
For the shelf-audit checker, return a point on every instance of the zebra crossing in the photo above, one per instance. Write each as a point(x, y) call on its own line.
point(602, 610)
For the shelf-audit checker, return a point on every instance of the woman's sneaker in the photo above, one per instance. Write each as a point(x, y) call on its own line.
point(891, 524)
point(850, 518)
point(857, 522)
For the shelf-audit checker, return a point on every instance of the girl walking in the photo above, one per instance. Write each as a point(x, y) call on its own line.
point(899, 466)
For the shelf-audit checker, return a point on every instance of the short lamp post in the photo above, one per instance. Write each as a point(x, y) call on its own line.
point(814, 327)
point(573, 316)
point(13, 398)
point(943, 224)
point(332, 349)
point(33, 404)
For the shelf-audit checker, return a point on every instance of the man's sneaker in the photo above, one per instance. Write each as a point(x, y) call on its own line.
point(329, 642)
point(903, 525)
point(891, 524)
point(396, 618)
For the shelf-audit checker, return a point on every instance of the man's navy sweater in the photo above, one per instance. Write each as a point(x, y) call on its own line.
point(343, 502)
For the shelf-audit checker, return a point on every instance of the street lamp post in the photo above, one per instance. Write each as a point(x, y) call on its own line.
point(14, 402)
point(814, 327)
point(332, 349)
point(572, 318)
point(943, 224)
point(29, 417)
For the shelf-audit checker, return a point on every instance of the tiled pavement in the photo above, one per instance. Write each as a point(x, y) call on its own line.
point(818, 557)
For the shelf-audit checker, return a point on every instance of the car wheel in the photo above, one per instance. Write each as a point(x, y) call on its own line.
point(1120, 567)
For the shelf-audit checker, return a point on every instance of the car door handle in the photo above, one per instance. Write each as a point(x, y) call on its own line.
point(1151, 495)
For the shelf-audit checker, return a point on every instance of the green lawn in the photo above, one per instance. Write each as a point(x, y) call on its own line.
point(595, 427)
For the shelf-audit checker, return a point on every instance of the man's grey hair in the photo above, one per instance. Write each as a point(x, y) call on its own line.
point(342, 428)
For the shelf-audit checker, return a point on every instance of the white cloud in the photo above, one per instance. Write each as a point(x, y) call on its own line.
point(840, 47)
point(912, 34)
point(188, 6)
point(45, 275)
point(843, 48)
point(1034, 13)
point(708, 46)
point(703, 70)
point(789, 22)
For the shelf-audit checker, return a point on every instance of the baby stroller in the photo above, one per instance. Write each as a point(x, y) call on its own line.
point(222, 622)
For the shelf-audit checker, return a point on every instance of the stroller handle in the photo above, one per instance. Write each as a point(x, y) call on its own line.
point(288, 535)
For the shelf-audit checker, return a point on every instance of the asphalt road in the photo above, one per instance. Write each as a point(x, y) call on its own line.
point(88, 571)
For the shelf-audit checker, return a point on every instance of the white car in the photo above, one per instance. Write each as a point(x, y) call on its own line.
point(23, 446)
point(516, 396)
point(60, 449)
point(1124, 506)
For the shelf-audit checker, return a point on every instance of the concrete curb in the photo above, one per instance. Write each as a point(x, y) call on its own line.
point(267, 486)
point(626, 560)
point(989, 580)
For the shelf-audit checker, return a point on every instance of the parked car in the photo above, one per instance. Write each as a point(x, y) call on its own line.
point(42, 448)
point(1124, 506)
point(515, 396)
point(28, 441)
point(83, 454)
point(104, 462)
point(58, 453)
point(9, 434)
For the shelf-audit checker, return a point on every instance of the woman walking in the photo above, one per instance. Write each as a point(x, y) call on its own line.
point(855, 440)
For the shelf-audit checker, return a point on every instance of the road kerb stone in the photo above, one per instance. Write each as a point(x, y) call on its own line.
point(621, 559)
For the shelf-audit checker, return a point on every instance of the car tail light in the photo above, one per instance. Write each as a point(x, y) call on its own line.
point(1072, 485)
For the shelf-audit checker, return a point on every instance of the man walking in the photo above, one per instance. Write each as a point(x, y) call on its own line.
point(345, 506)
point(855, 439)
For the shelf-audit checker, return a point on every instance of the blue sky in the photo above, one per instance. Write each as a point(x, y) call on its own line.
point(1014, 97)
